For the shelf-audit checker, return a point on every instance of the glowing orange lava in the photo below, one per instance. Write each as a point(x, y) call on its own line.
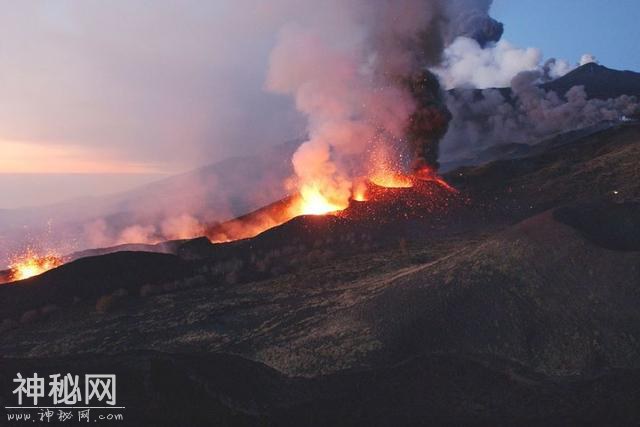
point(313, 202)
point(309, 201)
point(360, 191)
point(29, 264)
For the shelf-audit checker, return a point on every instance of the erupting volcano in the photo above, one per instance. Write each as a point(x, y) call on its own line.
point(411, 127)
point(373, 108)
point(382, 198)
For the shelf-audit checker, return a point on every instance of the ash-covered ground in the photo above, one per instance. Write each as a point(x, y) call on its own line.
point(512, 302)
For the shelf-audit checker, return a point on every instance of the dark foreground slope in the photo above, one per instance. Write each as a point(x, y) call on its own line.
point(430, 389)
point(513, 302)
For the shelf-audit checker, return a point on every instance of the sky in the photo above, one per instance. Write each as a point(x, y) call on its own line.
point(118, 93)
point(569, 28)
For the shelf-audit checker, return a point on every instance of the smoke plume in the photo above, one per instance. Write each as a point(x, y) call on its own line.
point(526, 114)
point(361, 78)
point(588, 58)
point(468, 63)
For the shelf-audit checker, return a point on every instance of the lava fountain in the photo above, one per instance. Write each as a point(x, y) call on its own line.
point(313, 202)
point(392, 180)
point(29, 264)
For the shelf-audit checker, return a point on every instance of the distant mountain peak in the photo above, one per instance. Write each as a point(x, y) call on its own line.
point(592, 67)
point(599, 82)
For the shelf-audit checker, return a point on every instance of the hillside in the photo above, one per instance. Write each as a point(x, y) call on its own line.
point(599, 82)
point(511, 302)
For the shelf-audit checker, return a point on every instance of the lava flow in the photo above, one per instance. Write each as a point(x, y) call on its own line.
point(308, 202)
point(29, 264)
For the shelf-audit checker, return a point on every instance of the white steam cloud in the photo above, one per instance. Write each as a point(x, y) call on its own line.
point(588, 58)
point(467, 64)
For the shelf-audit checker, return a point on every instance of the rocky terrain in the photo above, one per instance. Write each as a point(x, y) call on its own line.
point(512, 302)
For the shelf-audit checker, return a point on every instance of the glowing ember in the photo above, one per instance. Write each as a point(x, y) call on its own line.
point(386, 172)
point(392, 180)
point(29, 265)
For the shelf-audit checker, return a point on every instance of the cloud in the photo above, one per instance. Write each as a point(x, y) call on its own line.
point(466, 63)
point(588, 58)
point(168, 82)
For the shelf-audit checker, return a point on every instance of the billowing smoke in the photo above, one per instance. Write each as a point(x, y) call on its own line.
point(473, 22)
point(555, 68)
point(523, 111)
point(526, 114)
point(468, 63)
point(360, 75)
point(101, 233)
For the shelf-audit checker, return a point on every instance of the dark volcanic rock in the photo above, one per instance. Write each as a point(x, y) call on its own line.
point(169, 247)
point(89, 278)
point(600, 166)
point(538, 293)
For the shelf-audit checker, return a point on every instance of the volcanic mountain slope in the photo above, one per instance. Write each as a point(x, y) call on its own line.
point(515, 150)
point(513, 301)
point(599, 82)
